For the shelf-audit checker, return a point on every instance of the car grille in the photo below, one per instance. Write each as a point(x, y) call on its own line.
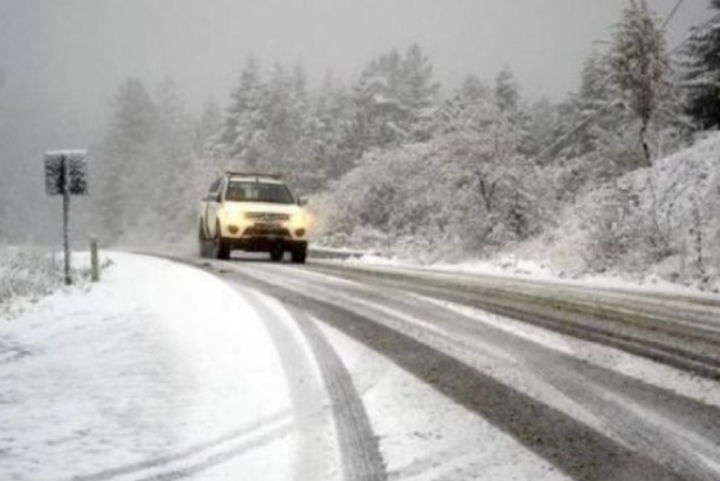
point(266, 231)
point(267, 217)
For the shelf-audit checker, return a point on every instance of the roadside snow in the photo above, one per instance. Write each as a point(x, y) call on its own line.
point(158, 370)
point(518, 268)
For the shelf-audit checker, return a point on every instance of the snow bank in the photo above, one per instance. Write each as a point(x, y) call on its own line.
point(149, 370)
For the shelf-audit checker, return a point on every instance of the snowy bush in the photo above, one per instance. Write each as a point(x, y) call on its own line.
point(661, 220)
point(27, 273)
point(449, 195)
point(627, 232)
point(31, 273)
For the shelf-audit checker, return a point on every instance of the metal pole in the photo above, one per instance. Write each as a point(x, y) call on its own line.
point(94, 261)
point(66, 219)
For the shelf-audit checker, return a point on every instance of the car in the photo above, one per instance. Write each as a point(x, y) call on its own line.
point(253, 213)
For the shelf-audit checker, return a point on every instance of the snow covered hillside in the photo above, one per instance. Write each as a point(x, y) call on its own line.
point(143, 375)
point(658, 222)
point(656, 225)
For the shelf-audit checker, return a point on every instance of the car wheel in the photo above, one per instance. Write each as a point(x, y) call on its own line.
point(222, 246)
point(277, 254)
point(299, 255)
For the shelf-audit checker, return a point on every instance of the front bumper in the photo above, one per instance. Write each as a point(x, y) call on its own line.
point(267, 244)
point(265, 237)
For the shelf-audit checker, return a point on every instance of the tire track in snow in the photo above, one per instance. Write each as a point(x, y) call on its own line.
point(359, 451)
point(359, 448)
point(694, 347)
point(311, 406)
point(308, 290)
point(579, 451)
point(199, 457)
point(690, 448)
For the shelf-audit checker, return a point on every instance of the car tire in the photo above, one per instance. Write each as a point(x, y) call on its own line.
point(276, 255)
point(222, 246)
point(299, 255)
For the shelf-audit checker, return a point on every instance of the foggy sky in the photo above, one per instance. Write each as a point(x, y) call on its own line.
point(70, 55)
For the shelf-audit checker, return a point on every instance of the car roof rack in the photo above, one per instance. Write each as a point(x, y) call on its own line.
point(254, 174)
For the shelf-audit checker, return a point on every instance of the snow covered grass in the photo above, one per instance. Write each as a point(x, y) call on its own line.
point(27, 274)
point(158, 371)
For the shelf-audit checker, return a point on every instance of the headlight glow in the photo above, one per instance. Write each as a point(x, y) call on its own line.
point(299, 220)
point(233, 214)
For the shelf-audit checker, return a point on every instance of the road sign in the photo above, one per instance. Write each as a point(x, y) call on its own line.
point(66, 175)
point(72, 163)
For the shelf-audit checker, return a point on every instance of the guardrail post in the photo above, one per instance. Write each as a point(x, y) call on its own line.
point(94, 261)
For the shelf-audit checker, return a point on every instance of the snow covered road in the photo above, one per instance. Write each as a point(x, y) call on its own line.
point(160, 372)
point(253, 370)
point(567, 401)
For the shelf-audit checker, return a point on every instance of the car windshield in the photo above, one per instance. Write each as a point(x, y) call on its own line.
point(251, 191)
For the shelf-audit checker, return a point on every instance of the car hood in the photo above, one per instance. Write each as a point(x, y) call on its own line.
point(267, 207)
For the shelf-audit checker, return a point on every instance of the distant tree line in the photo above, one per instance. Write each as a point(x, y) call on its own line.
point(395, 161)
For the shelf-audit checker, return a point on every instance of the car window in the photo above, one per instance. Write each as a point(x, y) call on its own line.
point(247, 191)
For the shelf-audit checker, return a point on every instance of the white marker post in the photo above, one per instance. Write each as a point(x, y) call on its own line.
point(66, 175)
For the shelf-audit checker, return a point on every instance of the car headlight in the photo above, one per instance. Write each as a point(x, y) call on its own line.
point(232, 215)
point(299, 220)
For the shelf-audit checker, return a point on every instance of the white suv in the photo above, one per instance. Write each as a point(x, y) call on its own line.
point(254, 213)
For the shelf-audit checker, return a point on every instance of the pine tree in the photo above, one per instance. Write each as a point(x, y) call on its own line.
point(638, 64)
point(380, 120)
point(242, 134)
point(700, 77)
point(171, 166)
point(133, 120)
point(595, 81)
point(394, 99)
point(277, 110)
point(125, 149)
point(418, 91)
point(506, 91)
point(207, 125)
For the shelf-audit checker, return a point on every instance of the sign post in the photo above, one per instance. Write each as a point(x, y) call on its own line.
point(66, 175)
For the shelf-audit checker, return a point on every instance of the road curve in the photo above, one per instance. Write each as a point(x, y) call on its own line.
point(589, 420)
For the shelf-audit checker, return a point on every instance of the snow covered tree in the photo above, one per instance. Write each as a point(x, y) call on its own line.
point(700, 77)
point(134, 118)
point(638, 65)
point(327, 139)
point(506, 91)
point(595, 81)
point(286, 111)
point(418, 91)
point(171, 165)
point(393, 100)
point(243, 131)
point(380, 118)
point(207, 125)
point(132, 127)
